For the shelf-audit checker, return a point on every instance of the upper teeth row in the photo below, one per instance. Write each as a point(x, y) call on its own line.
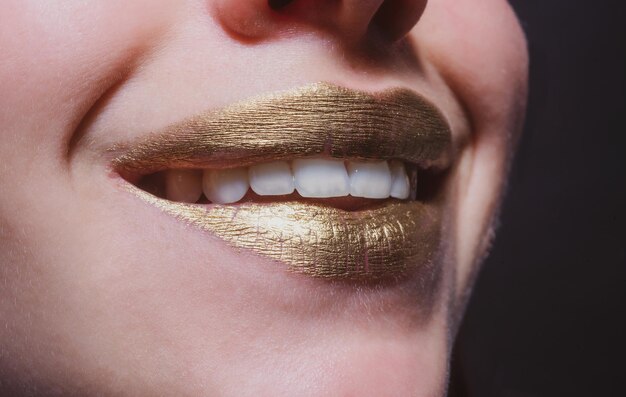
point(310, 177)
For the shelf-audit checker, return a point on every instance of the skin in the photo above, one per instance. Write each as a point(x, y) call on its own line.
point(103, 295)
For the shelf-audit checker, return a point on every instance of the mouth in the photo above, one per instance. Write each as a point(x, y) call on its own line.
point(327, 181)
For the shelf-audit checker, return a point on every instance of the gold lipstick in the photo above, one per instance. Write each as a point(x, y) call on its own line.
point(322, 241)
point(318, 119)
point(391, 240)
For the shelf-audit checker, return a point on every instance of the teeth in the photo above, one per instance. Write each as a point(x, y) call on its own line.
point(369, 179)
point(321, 178)
point(225, 186)
point(183, 185)
point(271, 179)
point(400, 187)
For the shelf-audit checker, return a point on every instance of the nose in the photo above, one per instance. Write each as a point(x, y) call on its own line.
point(350, 20)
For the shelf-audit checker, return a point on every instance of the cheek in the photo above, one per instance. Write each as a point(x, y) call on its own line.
point(480, 51)
point(58, 57)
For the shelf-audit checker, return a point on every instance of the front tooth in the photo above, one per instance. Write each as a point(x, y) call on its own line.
point(225, 186)
point(369, 179)
point(271, 179)
point(321, 178)
point(400, 187)
point(183, 185)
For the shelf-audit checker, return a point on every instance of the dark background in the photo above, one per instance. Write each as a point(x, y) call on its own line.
point(548, 315)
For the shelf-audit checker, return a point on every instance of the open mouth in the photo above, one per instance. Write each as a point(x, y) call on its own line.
point(348, 185)
point(323, 179)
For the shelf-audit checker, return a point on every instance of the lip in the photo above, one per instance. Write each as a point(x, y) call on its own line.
point(392, 240)
point(317, 119)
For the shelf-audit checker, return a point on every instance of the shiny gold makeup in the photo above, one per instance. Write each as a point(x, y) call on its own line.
point(319, 119)
point(390, 241)
point(322, 241)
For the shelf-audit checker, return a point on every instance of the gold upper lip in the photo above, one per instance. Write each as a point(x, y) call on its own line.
point(317, 119)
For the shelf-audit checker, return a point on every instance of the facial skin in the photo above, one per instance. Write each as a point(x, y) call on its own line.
point(103, 295)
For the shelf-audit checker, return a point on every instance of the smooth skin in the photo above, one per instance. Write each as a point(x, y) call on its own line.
point(101, 294)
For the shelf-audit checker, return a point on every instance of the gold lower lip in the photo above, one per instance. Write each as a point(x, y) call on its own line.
point(323, 242)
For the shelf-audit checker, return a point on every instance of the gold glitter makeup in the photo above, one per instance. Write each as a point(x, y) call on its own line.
point(319, 241)
point(319, 119)
point(389, 241)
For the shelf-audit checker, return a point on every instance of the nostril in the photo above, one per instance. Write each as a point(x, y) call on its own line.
point(278, 4)
point(394, 19)
point(353, 20)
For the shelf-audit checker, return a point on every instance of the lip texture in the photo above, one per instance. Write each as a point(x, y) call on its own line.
point(320, 241)
point(318, 119)
point(390, 241)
